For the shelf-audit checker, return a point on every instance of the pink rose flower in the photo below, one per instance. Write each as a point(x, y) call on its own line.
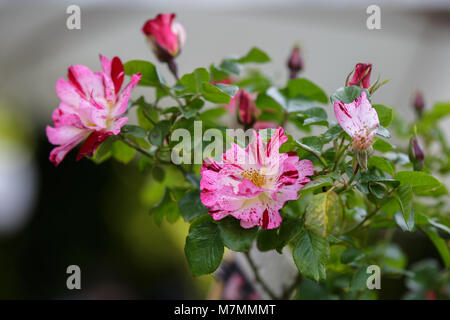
point(166, 36)
point(90, 109)
point(252, 184)
point(361, 75)
point(359, 120)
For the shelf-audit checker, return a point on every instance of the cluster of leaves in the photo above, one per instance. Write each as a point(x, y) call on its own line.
point(328, 227)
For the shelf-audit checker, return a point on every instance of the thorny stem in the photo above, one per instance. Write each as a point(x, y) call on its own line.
point(258, 277)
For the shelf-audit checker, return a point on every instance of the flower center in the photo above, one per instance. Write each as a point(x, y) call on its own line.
point(362, 139)
point(255, 177)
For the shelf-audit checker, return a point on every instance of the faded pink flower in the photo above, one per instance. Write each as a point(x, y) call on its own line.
point(361, 75)
point(252, 184)
point(91, 108)
point(359, 120)
point(166, 36)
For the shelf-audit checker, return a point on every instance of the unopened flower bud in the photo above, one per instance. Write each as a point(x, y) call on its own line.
point(361, 75)
point(246, 109)
point(295, 63)
point(166, 36)
point(416, 154)
point(419, 103)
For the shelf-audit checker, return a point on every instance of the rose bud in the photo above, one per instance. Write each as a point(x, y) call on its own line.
point(246, 109)
point(361, 75)
point(416, 154)
point(166, 36)
point(295, 63)
point(419, 103)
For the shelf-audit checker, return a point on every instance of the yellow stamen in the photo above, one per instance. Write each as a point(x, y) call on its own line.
point(255, 177)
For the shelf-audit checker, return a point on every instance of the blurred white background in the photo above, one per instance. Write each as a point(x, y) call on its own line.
point(412, 48)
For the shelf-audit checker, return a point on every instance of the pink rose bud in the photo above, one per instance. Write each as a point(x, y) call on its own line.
point(419, 103)
point(295, 63)
point(92, 108)
point(246, 111)
point(416, 154)
point(361, 75)
point(166, 36)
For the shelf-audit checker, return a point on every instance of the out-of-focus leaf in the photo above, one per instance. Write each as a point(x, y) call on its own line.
point(302, 86)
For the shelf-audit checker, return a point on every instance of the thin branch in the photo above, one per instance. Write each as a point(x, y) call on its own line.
point(258, 277)
point(167, 90)
point(362, 222)
point(318, 156)
point(354, 175)
point(340, 153)
point(138, 148)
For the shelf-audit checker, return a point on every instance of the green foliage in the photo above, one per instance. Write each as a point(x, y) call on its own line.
point(150, 73)
point(122, 152)
point(419, 181)
point(190, 206)
point(159, 132)
point(385, 114)
point(255, 55)
point(306, 88)
point(347, 94)
point(204, 247)
point(322, 213)
point(311, 253)
point(404, 196)
point(344, 218)
point(234, 236)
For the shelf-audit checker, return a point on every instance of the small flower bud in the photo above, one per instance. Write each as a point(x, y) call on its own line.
point(416, 155)
point(361, 75)
point(166, 36)
point(419, 103)
point(295, 63)
point(246, 109)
